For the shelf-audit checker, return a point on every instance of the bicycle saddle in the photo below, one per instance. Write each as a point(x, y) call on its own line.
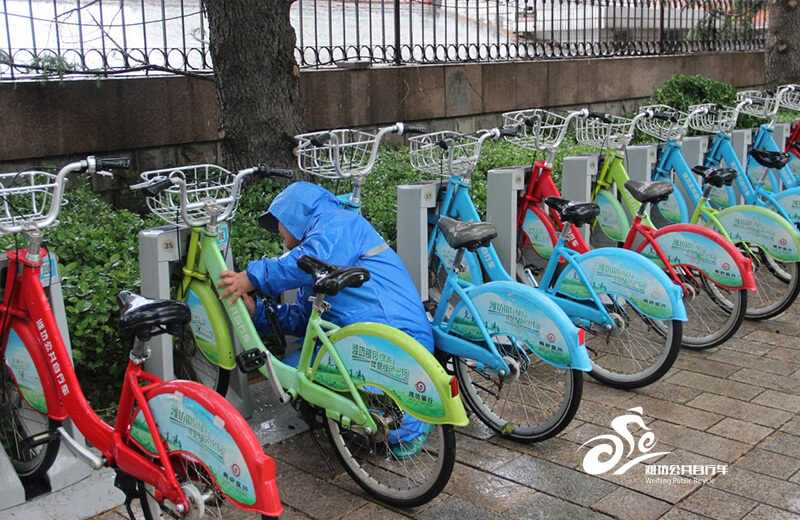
point(574, 212)
point(469, 235)
point(775, 160)
point(645, 192)
point(147, 318)
point(329, 279)
point(717, 177)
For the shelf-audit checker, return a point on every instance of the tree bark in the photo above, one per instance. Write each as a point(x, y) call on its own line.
point(252, 48)
point(783, 43)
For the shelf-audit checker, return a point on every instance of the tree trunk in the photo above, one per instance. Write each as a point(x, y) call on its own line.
point(257, 78)
point(783, 43)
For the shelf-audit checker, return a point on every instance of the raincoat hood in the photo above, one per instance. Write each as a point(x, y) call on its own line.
point(297, 208)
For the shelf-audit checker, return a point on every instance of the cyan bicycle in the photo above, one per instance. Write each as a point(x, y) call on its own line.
point(630, 311)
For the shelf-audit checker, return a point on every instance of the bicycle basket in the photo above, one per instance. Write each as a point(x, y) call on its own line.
point(429, 156)
point(353, 152)
point(764, 104)
point(595, 132)
point(27, 197)
point(791, 98)
point(546, 134)
point(717, 119)
point(203, 181)
point(661, 129)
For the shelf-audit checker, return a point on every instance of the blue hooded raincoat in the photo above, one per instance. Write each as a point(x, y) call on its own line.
point(345, 239)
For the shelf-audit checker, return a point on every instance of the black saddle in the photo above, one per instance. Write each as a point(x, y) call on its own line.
point(146, 318)
point(776, 160)
point(329, 279)
point(469, 235)
point(717, 177)
point(644, 192)
point(574, 212)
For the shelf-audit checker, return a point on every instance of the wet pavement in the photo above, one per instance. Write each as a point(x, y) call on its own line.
point(733, 408)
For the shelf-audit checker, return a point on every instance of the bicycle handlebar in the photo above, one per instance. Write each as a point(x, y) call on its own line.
point(664, 117)
point(596, 115)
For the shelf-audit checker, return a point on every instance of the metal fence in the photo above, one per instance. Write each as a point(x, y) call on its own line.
point(67, 37)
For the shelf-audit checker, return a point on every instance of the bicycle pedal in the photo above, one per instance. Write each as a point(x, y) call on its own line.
point(41, 438)
point(250, 360)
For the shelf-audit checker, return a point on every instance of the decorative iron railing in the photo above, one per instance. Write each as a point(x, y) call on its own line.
point(68, 37)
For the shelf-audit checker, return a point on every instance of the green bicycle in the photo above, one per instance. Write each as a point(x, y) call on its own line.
point(361, 381)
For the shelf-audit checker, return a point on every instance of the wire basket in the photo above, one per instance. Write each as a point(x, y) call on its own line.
point(661, 129)
point(764, 104)
point(429, 156)
point(716, 119)
point(546, 134)
point(26, 196)
point(790, 98)
point(353, 152)
point(204, 181)
point(596, 132)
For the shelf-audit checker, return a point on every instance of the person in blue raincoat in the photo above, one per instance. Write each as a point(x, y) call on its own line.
point(309, 219)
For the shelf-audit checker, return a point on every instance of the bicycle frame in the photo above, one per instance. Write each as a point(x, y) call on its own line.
point(32, 342)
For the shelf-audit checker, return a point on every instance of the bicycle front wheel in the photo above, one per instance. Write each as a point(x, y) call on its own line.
point(777, 285)
point(715, 313)
point(638, 351)
point(536, 402)
point(403, 473)
point(19, 424)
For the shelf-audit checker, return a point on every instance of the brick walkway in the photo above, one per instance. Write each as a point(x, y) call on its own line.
point(735, 405)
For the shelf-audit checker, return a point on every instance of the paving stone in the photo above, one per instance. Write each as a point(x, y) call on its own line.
point(773, 338)
point(771, 381)
point(558, 450)
point(779, 400)
point(542, 506)
point(476, 429)
point(487, 456)
point(669, 392)
point(766, 364)
point(785, 324)
point(714, 365)
point(314, 497)
point(748, 347)
point(603, 394)
point(569, 484)
point(290, 514)
point(715, 385)
point(682, 514)
point(740, 430)
point(792, 426)
point(702, 443)
point(299, 451)
point(373, 512)
point(783, 443)
point(675, 413)
point(769, 463)
point(624, 503)
point(485, 490)
point(454, 508)
point(718, 504)
point(763, 512)
point(597, 413)
point(761, 488)
point(795, 478)
point(788, 355)
point(742, 410)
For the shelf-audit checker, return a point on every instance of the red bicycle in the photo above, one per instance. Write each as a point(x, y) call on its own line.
point(176, 446)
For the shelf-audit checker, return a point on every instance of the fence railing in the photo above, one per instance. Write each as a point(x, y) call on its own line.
point(67, 37)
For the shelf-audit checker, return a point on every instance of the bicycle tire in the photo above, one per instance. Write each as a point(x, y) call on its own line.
point(715, 314)
point(373, 466)
point(18, 421)
point(488, 399)
point(626, 363)
point(777, 286)
point(191, 364)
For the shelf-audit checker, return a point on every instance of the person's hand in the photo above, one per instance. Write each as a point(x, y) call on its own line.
point(250, 303)
point(235, 285)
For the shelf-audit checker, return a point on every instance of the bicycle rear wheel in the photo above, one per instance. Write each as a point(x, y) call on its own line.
point(408, 480)
point(777, 285)
point(191, 364)
point(715, 313)
point(535, 403)
point(19, 423)
point(635, 353)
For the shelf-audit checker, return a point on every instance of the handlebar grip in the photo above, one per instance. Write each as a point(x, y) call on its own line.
point(113, 163)
point(599, 115)
point(319, 140)
point(414, 130)
point(508, 132)
point(757, 102)
point(530, 121)
point(263, 172)
point(446, 144)
point(154, 188)
point(665, 117)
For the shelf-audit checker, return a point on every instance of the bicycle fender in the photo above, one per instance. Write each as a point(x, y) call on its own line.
point(380, 356)
point(612, 219)
point(626, 274)
point(703, 249)
point(539, 231)
point(209, 325)
point(674, 209)
point(471, 264)
point(789, 200)
point(513, 309)
point(30, 369)
point(196, 421)
point(761, 226)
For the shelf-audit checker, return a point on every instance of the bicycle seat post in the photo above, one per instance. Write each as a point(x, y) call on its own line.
point(320, 305)
point(35, 238)
point(139, 353)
